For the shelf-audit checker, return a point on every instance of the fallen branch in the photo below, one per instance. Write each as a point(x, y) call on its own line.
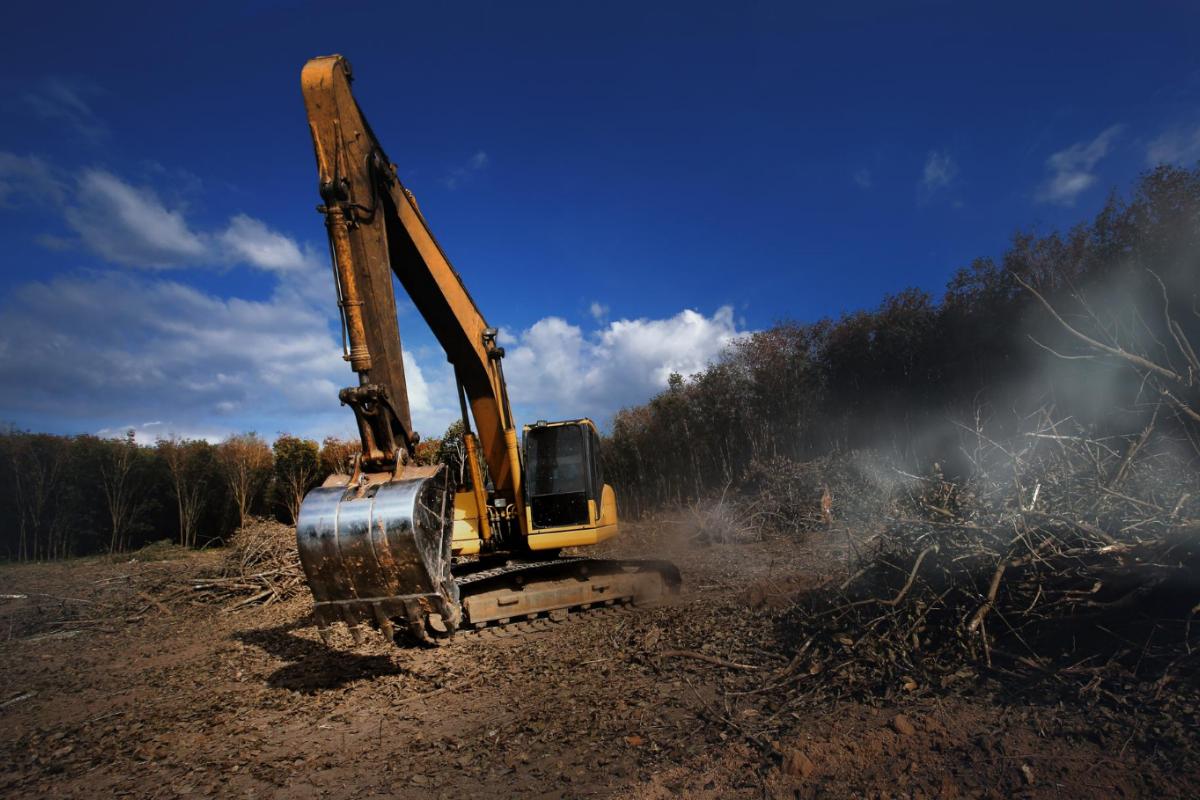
point(426, 695)
point(14, 700)
point(720, 662)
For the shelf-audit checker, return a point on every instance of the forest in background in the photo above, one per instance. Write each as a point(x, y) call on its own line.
point(1096, 326)
point(1096, 323)
point(62, 496)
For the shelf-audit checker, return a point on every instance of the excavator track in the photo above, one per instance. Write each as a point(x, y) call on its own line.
point(545, 622)
point(525, 596)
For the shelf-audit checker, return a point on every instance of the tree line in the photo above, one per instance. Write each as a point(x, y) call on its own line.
point(63, 496)
point(1099, 323)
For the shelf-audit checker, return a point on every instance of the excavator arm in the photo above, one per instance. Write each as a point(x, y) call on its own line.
point(377, 231)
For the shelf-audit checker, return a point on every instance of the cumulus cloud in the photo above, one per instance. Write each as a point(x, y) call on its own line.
point(109, 345)
point(105, 350)
point(463, 172)
point(110, 350)
point(64, 100)
point(940, 170)
point(554, 370)
point(1072, 170)
point(1175, 146)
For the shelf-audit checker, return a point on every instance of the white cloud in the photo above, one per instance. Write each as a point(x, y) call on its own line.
point(109, 345)
point(129, 225)
point(104, 350)
point(463, 172)
point(1072, 170)
point(432, 395)
point(862, 178)
point(555, 371)
point(1175, 146)
point(301, 269)
point(27, 180)
point(148, 433)
point(63, 100)
point(99, 350)
point(940, 170)
point(107, 350)
point(250, 241)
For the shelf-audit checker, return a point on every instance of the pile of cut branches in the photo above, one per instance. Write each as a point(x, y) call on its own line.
point(262, 566)
point(782, 497)
point(1066, 561)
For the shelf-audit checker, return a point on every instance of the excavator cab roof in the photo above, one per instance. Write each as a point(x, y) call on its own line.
point(541, 423)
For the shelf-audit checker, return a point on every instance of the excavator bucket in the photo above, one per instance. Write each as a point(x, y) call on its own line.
point(377, 551)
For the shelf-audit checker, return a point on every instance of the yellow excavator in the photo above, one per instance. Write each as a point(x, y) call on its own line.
point(403, 547)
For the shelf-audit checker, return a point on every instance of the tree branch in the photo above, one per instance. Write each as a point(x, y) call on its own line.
point(1118, 352)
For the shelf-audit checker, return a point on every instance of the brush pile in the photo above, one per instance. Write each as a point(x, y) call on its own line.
point(262, 566)
point(786, 498)
point(1065, 562)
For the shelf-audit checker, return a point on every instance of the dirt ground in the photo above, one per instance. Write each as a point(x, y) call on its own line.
point(107, 690)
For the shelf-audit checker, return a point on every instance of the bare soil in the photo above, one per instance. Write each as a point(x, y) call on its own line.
point(108, 689)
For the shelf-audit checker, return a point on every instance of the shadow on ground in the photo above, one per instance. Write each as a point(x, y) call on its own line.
point(313, 666)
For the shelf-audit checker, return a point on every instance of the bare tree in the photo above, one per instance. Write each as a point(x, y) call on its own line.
point(122, 493)
point(184, 459)
point(245, 461)
point(20, 491)
point(46, 457)
point(37, 484)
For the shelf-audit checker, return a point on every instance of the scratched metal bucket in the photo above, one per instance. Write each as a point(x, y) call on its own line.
point(379, 553)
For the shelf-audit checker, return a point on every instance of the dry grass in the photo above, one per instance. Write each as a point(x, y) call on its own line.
point(720, 520)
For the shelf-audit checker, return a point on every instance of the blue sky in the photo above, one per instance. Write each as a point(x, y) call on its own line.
point(625, 187)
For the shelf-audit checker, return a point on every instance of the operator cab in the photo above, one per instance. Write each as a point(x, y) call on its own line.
point(563, 478)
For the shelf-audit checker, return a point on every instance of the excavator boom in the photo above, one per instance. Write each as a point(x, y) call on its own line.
point(386, 235)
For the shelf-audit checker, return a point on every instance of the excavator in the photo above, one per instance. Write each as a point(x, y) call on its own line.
point(412, 550)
